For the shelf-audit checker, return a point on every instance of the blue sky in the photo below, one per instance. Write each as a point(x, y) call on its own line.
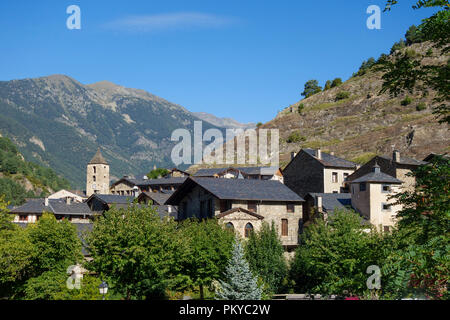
point(241, 59)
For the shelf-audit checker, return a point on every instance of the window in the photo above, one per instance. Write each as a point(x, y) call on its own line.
point(386, 229)
point(251, 206)
point(23, 218)
point(362, 186)
point(248, 229)
point(345, 176)
point(385, 207)
point(290, 207)
point(335, 191)
point(284, 227)
point(94, 178)
point(385, 188)
point(95, 170)
point(334, 177)
point(225, 205)
point(229, 226)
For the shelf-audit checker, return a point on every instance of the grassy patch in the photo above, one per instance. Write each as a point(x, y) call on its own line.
point(364, 158)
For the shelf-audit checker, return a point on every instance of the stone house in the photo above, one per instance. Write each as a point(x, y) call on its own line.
point(241, 204)
point(133, 187)
point(67, 195)
point(371, 198)
point(314, 171)
point(32, 210)
point(396, 166)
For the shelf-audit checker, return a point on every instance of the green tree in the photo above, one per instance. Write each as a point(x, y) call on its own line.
point(158, 173)
point(240, 283)
point(205, 260)
point(336, 82)
point(311, 87)
point(136, 250)
point(333, 256)
point(327, 85)
point(265, 255)
point(421, 261)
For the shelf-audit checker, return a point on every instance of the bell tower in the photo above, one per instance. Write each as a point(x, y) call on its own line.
point(97, 175)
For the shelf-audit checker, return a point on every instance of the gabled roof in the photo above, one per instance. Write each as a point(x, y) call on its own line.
point(238, 189)
point(377, 177)
point(162, 181)
point(405, 161)
point(158, 198)
point(112, 198)
point(328, 160)
point(98, 158)
point(55, 206)
point(238, 209)
point(332, 201)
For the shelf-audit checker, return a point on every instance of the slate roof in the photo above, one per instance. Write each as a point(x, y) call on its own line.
point(55, 206)
point(377, 177)
point(238, 189)
point(329, 160)
point(98, 158)
point(159, 198)
point(405, 161)
point(153, 182)
point(113, 198)
point(332, 201)
point(247, 170)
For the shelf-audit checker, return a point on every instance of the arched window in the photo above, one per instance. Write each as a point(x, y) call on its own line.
point(248, 229)
point(229, 226)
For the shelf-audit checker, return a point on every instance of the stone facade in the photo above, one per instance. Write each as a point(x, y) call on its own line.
point(371, 202)
point(123, 188)
point(191, 206)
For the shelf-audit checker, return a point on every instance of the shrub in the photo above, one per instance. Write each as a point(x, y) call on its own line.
point(301, 106)
point(342, 95)
point(407, 101)
point(421, 106)
point(336, 82)
point(295, 137)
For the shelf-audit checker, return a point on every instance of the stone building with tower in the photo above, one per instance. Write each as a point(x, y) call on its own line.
point(97, 175)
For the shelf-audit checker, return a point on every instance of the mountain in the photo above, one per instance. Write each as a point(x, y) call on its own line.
point(20, 179)
point(223, 122)
point(356, 122)
point(58, 122)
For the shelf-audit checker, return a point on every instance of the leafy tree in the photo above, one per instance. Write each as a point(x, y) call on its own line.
point(342, 95)
point(240, 283)
point(265, 255)
point(407, 101)
point(397, 46)
point(311, 87)
point(327, 85)
point(333, 256)
point(365, 66)
point(413, 35)
point(407, 73)
point(56, 244)
point(295, 137)
point(137, 250)
point(336, 82)
point(205, 260)
point(158, 173)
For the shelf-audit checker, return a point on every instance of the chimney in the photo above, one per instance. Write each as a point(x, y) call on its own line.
point(376, 168)
point(293, 154)
point(46, 202)
point(319, 204)
point(68, 200)
point(169, 209)
point(319, 154)
point(396, 156)
point(332, 153)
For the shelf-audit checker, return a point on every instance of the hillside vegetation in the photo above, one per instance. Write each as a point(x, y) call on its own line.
point(20, 179)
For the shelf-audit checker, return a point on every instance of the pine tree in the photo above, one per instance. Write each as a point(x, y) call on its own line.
point(240, 284)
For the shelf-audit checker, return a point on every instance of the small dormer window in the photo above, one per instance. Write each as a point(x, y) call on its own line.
point(334, 177)
point(362, 186)
point(385, 188)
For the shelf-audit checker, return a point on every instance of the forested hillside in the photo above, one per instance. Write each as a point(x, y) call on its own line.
point(20, 179)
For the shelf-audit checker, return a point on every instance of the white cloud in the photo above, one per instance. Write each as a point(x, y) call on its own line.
point(180, 20)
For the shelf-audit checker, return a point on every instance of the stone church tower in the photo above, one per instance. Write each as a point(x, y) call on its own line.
point(97, 178)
